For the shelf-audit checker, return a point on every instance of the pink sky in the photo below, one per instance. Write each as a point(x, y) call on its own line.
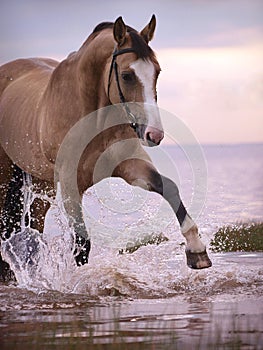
point(217, 92)
point(211, 53)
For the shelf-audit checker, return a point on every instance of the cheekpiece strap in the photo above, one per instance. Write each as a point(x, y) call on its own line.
point(114, 55)
point(114, 67)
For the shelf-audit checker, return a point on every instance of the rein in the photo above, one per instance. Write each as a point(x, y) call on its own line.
point(114, 66)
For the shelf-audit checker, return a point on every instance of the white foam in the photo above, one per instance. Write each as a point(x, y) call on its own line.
point(47, 263)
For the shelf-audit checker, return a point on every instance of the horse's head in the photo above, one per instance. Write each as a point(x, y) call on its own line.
point(131, 76)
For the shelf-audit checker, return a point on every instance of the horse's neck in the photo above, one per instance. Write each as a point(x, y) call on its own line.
point(77, 83)
point(93, 57)
point(76, 88)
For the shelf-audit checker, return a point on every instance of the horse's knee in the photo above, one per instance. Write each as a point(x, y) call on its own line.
point(42, 190)
point(163, 185)
point(169, 187)
point(169, 190)
point(156, 182)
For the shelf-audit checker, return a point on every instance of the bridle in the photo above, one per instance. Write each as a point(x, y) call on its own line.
point(114, 66)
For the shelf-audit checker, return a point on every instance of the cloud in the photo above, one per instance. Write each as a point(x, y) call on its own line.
point(217, 92)
point(235, 37)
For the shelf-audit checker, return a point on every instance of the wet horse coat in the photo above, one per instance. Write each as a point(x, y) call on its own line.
point(41, 100)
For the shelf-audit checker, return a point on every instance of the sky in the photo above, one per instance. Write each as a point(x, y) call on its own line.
point(210, 52)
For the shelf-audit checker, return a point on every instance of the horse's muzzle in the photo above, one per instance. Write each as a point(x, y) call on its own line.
point(153, 136)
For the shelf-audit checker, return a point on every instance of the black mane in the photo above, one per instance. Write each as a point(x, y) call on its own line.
point(141, 48)
point(109, 25)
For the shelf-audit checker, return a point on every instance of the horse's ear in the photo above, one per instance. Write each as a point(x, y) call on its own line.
point(119, 31)
point(148, 31)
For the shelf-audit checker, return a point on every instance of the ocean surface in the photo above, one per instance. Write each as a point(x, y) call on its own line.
point(150, 295)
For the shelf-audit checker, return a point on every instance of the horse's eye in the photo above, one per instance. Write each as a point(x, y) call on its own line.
point(128, 77)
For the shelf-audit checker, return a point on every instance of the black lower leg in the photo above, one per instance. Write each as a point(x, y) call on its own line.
point(168, 189)
point(11, 216)
point(82, 250)
point(6, 274)
point(181, 213)
point(76, 221)
point(82, 242)
point(12, 212)
point(171, 194)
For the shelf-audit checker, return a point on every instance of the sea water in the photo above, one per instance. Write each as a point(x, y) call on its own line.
point(119, 216)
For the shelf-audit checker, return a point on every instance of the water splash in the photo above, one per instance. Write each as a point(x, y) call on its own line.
point(41, 261)
point(29, 197)
point(45, 261)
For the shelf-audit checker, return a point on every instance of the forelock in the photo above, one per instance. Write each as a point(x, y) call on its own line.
point(141, 48)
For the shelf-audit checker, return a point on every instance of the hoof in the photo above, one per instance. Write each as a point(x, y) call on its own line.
point(198, 260)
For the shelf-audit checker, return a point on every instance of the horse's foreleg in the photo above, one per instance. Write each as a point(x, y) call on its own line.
point(143, 174)
point(72, 202)
point(196, 254)
point(82, 240)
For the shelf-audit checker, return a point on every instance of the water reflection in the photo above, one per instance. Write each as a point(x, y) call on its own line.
point(178, 321)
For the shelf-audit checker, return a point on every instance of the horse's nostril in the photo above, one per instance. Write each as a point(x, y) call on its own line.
point(154, 138)
point(148, 137)
point(152, 141)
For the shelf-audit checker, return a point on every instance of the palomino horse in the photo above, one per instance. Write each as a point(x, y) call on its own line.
point(41, 100)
